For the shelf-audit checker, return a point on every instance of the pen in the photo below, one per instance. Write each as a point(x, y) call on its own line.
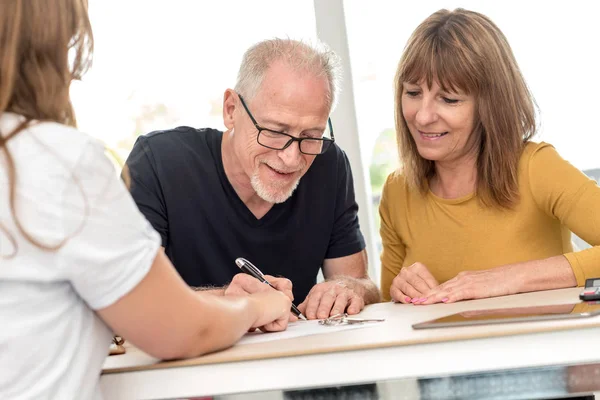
point(249, 268)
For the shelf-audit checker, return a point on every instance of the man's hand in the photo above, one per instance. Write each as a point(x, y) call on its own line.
point(333, 297)
point(244, 284)
point(412, 283)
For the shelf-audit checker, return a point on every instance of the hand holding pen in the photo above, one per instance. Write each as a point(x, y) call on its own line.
point(249, 268)
point(244, 284)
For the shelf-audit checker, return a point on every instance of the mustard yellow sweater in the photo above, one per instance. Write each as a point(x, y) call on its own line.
point(453, 235)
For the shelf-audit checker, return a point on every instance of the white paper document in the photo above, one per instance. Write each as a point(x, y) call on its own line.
point(301, 328)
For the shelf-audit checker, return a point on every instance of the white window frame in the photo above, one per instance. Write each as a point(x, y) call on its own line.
point(331, 29)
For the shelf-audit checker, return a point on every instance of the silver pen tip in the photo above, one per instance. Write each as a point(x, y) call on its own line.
point(302, 317)
point(239, 262)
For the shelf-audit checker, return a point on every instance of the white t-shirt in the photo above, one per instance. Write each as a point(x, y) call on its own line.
point(52, 343)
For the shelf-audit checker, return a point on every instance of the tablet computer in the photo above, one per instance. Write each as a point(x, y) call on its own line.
point(518, 314)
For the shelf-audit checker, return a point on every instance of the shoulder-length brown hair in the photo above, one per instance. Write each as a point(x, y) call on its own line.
point(465, 51)
point(44, 45)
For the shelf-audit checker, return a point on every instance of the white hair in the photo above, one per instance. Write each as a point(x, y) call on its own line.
point(315, 57)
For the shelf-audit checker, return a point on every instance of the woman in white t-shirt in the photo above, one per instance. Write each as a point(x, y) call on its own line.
point(77, 258)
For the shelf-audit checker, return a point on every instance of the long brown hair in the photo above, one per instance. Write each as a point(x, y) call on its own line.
point(464, 50)
point(44, 45)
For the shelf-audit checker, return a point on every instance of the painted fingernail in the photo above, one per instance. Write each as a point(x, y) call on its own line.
point(422, 299)
point(414, 300)
point(407, 299)
point(445, 299)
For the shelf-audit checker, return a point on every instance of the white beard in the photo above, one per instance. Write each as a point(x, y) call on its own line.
point(270, 192)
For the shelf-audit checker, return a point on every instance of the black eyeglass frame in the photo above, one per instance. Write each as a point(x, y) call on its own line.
point(327, 142)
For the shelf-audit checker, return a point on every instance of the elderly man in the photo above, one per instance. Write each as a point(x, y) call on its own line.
point(273, 188)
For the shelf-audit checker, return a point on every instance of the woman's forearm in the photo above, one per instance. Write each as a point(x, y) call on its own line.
point(550, 273)
point(223, 321)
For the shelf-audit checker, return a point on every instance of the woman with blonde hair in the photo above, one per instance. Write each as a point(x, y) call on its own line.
point(478, 209)
point(77, 258)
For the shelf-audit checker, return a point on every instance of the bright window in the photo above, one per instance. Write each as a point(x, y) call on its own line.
point(158, 65)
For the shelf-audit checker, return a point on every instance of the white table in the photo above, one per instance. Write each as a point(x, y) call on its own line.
point(391, 350)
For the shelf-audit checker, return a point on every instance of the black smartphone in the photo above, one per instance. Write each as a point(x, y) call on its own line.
point(591, 291)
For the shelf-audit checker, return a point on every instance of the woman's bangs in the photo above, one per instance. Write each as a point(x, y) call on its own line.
point(454, 71)
point(419, 65)
point(435, 61)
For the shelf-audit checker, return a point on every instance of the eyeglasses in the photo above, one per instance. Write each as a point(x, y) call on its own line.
point(279, 141)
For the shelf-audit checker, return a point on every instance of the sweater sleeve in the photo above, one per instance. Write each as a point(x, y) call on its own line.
point(394, 251)
point(564, 192)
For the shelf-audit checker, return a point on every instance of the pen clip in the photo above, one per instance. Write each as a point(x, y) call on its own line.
point(253, 270)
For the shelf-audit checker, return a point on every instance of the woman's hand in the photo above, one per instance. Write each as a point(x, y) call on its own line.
point(273, 310)
point(412, 283)
point(468, 285)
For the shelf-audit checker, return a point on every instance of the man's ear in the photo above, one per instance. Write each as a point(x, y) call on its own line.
point(229, 103)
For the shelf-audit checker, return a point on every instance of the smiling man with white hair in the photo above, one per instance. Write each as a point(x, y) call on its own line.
point(273, 188)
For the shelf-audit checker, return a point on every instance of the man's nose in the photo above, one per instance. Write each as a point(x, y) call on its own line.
point(291, 155)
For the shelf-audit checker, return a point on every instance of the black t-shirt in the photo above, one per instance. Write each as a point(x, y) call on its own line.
point(179, 184)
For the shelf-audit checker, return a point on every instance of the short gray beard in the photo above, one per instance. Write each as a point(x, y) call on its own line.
point(269, 195)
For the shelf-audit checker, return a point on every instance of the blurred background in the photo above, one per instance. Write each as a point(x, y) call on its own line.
point(159, 65)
